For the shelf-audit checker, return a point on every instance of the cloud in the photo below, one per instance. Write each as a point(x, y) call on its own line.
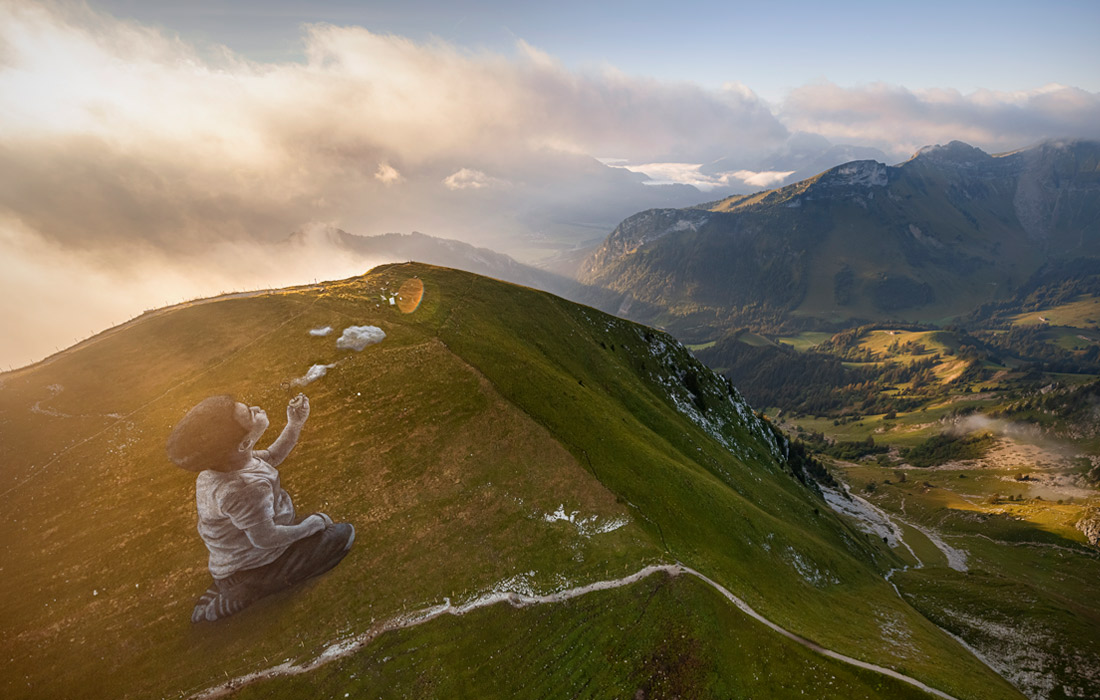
point(690, 174)
point(151, 172)
point(900, 121)
point(467, 179)
point(115, 131)
point(52, 295)
point(764, 178)
point(387, 174)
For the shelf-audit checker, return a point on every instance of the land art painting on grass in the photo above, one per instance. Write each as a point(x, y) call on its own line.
point(498, 441)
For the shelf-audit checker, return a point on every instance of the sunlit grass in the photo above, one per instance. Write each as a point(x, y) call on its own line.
point(1081, 313)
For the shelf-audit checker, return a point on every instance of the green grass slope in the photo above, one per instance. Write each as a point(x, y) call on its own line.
point(450, 445)
point(663, 637)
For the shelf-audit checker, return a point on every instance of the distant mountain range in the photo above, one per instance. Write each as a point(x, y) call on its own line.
point(405, 247)
point(928, 240)
point(804, 156)
point(420, 247)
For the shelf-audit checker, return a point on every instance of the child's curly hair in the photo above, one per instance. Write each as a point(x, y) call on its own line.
point(208, 435)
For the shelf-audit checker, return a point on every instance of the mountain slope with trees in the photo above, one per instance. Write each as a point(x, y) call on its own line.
point(932, 238)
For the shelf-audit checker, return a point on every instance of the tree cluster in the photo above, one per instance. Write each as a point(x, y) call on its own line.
point(946, 447)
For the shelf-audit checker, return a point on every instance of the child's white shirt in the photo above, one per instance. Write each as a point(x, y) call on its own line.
point(230, 503)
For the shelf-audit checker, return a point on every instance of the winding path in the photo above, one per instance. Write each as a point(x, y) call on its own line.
point(519, 600)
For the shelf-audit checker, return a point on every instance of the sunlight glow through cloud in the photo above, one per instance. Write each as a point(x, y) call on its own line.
point(387, 174)
point(689, 174)
point(468, 179)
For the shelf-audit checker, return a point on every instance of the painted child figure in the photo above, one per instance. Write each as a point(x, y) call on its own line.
point(257, 546)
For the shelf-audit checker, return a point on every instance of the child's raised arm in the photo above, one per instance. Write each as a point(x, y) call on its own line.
point(297, 411)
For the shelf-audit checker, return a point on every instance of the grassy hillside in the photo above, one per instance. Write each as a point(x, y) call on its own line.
point(458, 446)
point(665, 637)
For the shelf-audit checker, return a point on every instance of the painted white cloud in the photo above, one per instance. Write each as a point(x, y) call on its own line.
point(320, 332)
point(358, 337)
point(468, 179)
point(314, 373)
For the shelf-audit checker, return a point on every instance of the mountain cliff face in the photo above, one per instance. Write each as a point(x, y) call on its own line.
point(523, 474)
point(930, 238)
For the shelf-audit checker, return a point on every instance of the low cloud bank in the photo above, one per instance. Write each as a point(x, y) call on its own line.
point(150, 140)
point(1029, 433)
point(52, 296)
point(691, 174)
point(900, 121)
point(998, 426)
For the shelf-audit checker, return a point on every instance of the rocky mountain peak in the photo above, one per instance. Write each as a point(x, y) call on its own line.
point(954, 153)
point(858, 173)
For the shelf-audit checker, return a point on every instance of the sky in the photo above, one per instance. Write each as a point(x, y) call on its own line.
point(152, 152)
point(772, 47)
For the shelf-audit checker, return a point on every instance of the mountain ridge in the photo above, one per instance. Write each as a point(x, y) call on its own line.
point(933, 237)
point(451, 445)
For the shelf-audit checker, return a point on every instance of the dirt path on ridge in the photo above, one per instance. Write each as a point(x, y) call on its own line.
point(354, 644)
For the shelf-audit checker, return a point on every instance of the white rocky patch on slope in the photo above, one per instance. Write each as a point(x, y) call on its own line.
point(670, 355)
point(586, 526)
point(687, 225)
point(866, 173)
point(1015, 651)
point(956, 558)
point(894, 631)
point(813, 574)
point(868, 517)
point(55, 390)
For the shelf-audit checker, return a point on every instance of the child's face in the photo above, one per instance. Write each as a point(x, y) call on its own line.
point(253, 419)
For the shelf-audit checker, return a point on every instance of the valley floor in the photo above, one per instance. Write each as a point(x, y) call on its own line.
point(993, 555)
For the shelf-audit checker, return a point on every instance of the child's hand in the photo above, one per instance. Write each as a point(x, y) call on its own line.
point(297, 410)
point(312, 525)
